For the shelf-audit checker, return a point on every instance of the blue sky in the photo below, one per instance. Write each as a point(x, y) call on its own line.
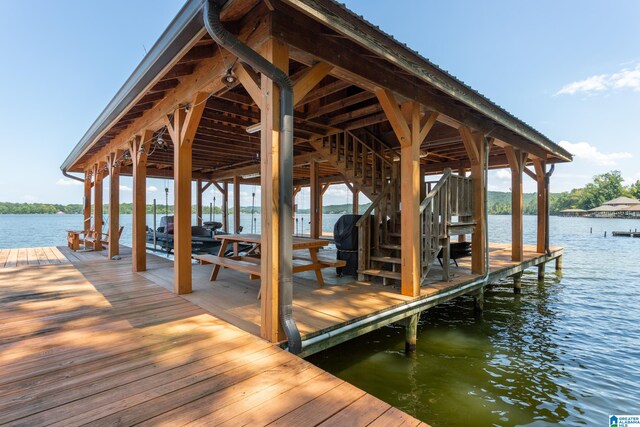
point(569, 68)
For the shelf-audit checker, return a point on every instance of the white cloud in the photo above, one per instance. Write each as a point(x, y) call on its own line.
point(125, 189)
point(623, 79)
point(29, 198)
point(586, 151)
point(152, 188)
point(503, 174)
point(68, 182)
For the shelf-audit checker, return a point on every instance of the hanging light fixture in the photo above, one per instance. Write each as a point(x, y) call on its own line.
point(229, 79)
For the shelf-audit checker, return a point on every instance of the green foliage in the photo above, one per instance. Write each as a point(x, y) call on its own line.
point(605, 187)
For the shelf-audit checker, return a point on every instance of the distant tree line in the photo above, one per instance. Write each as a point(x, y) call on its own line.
point(604, 187)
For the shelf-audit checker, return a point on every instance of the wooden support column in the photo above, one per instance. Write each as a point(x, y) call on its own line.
point(463, 237)
point(225, 206)
point(86, 210)
point(236, 204)
point(277, 53)
point(139, 149)
point(114, 204)
point(182, 128)
point(541, 170)
point(411, 130)
point(516, 163)
point(98, 175)
point(316, 197)
point(475, 147)
point(356, 202)
point(199, 191)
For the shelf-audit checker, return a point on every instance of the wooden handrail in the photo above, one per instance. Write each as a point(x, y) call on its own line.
point(374, 152)
point(427, 200)
point(374, 204)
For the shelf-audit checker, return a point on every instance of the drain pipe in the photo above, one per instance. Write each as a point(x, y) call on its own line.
point(65, 173)
point(227, 40)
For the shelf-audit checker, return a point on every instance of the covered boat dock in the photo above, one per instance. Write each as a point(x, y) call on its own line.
point(303, 93)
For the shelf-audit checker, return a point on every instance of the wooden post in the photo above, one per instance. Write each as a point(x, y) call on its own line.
point(277, 53)
point(356, 202)
point(114, 205)
point(315, 199)
point(516, 163)
point(225, 206)
point(478, 301)
point(559, 264)
point(138, 149)
point(541, 272)
point(182, 129)
point(87, 202)
point(411, 130)
point(517, 283)
point(411, 333)
point(475, 147)
point(463, 237)
point(199, 191)
point(98, 175)
point(541, 169)
point(236, 204)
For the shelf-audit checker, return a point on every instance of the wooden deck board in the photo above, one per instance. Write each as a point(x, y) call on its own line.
point(91, 342)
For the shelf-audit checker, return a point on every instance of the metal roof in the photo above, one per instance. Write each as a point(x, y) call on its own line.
point(188, 23)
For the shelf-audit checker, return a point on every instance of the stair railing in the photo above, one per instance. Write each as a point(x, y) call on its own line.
point(364, 159)
point(372, 228)
point(435, 215)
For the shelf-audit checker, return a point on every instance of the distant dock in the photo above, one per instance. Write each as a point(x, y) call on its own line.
point(629, 233)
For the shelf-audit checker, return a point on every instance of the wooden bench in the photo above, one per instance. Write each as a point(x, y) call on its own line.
point(325, 261)
point(92, 238)
point(241, 263)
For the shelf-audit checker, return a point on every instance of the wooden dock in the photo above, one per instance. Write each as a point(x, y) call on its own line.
point(90, 342)
point(326, 316)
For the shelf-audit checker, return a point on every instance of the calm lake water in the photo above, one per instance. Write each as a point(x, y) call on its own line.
point(565, 352)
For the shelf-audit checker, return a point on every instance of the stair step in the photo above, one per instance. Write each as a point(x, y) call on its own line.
point(387, 259)
point(391, 246)
point(393, 234)
point(381, 273)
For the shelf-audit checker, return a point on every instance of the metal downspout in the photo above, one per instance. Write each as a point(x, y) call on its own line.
point(227, 40)
point(65, 173)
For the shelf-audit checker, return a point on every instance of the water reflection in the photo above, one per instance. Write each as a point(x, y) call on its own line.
point(562, 352)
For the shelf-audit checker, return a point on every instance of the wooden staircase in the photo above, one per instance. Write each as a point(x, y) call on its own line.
point(364, 160)
point(380, 253)
point(370, 166)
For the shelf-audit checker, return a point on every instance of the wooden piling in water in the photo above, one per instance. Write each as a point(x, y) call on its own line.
point(517, 283)
point(411, 333)
point(478, 301)
point(541, 272)
point(559, 263)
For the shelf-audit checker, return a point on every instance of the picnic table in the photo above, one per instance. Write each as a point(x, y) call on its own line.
point(250, 261)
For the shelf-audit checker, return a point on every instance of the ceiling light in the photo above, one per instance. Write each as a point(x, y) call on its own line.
point(229, 79)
